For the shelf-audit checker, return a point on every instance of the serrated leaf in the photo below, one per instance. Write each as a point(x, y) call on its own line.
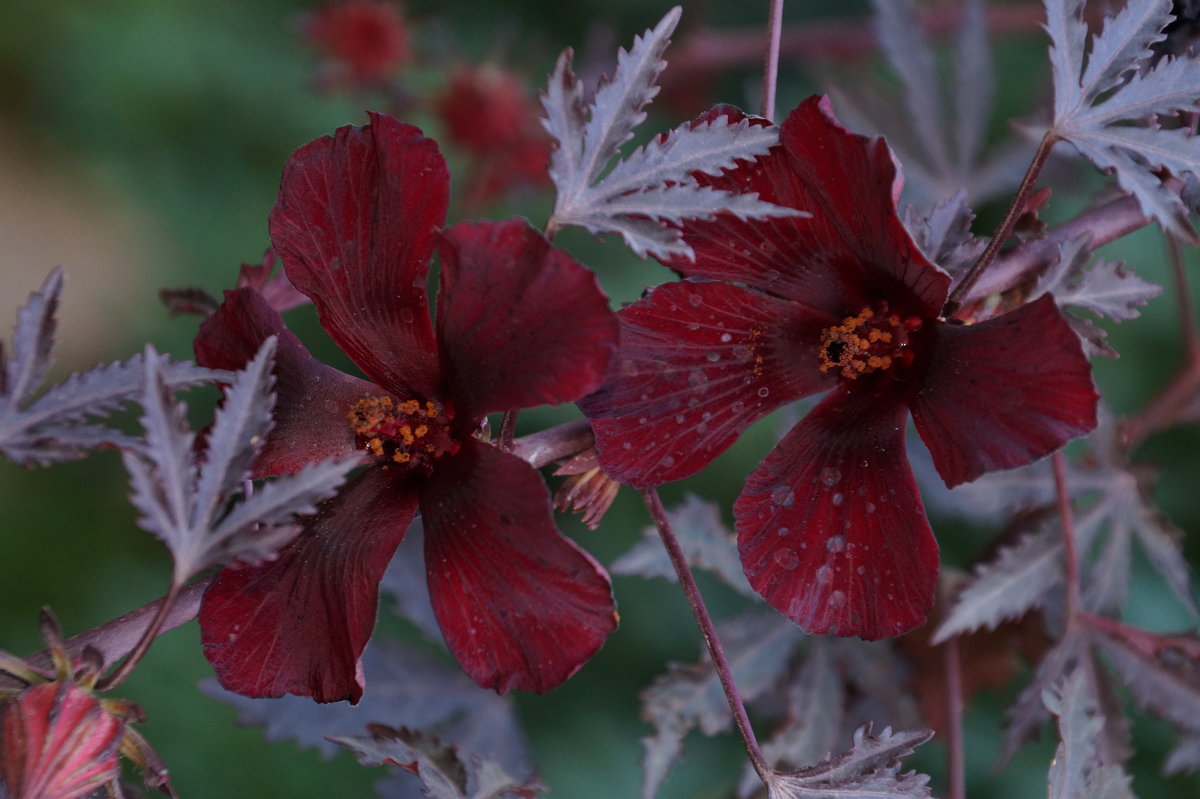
point(1029, 712)
point(188, 505)
point(443, 774)
point(760, 646)
point(1079, 770)
point(904, 44)
point(656, 184)
point(54, 427)
point(33, 339)
point(1008, 586)
point(1167, 685)
point(869, 770)
point(1185, 756)
point(973, 83)
point(1111, 120)
point(944, 234)
point(706, 542)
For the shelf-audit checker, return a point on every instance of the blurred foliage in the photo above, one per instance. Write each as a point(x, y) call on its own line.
point(186, 111)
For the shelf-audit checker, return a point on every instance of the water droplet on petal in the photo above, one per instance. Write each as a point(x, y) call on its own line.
point(837, 600)
point(406, 315)
point(782, 531)
point(764, 391)
point(838, 499)
point(713, 356)
point(824, 575)
point(783, 495)
point(726, 338)
point(835, 544)
point(830, 476)
point(787, 558)
point(870, 507)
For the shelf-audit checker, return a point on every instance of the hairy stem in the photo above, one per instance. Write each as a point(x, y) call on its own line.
point(1070, 553)
point(771, 67)
point(956, 761)
point(1015, 209)
point(736, 706)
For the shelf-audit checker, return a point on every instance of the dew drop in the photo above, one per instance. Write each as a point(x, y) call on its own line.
point(667, 462)
point(824, 575)
point(726, 338)
point(764, 391)
point(694, 300)
point(696, 378)
point(694, 326)
point(406, 315)
point(830, 476)
point(627, 445)
point(713, 356)
point(738, 407)
point(860, 571)
point(642, 420)
point(870, 507)
point(837, 600)
point(835, 544)
point(787, 558)
point(783, 495)
point(782, 531)
point(680, 418)
point(838, 499)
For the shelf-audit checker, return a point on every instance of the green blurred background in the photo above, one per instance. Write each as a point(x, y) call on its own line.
point(140, 147)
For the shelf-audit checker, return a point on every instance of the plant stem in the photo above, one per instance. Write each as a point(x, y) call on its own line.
point(720, 663)
point(771, 67)
point(1070, 554)
point(508, 429)
point(1183, 298)
point(954, 710)
point(122, 671)
point(1015, 209)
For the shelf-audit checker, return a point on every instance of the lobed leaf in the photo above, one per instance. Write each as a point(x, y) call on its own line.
point(1079, 770)
point(443, 774)
point(1167, 685)
point(656, 184)
point(869, 770)
point(33, 339)
point(706, 542)
point(1111, 118)
point(189, 505)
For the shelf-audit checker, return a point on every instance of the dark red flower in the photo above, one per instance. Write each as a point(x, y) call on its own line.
point(363, 40)
point(488, 113)
point(831, 529)
point(518, 324)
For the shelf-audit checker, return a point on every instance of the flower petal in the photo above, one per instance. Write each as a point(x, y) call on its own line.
point(1004, 392)
point(698, 363)
point(831, 529)
point(354, 226)
point(57, 742)
point(298, 624)
point(521, 606)
point(311, 399)
point(844, 256)
point(520, 323)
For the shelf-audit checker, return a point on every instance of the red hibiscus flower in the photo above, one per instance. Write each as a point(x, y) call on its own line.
point(518, 324)
point(831, 529)
point(363, 40)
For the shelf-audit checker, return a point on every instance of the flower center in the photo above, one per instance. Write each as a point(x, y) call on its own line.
point(402, 432)
point(875, 339)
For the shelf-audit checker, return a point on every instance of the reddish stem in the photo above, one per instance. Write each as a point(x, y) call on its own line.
point(690, 590)
point(1183, 297)
point(1148, 643)
point(771, 68)
point(1070, 554)
point(1007, 225)
point(955, 749)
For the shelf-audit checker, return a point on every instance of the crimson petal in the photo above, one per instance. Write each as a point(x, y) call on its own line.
point(521, 323)
point(1004, 392)
point(521, 607)
point(842, 258)
point(699, 362)
point(831, 529)
point(354, 226)
point(311, 399)
point(298, 624)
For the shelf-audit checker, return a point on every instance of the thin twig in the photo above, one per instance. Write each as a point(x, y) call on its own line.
point(771, 67)
point(118, 675)
point(954, 709)
point(1067, 518)
point(1183, 298)
point(720, 662)
point(1007, 225)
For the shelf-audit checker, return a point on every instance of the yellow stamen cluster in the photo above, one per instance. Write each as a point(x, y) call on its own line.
point(403, 432)
point(864, 343)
